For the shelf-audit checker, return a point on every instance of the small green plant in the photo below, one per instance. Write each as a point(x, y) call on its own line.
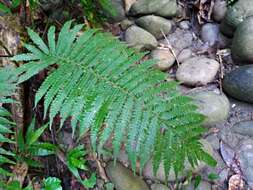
point(51, 183)
point(7, 9)
point(75, 162)
point(29, 147)
point(14, 185)
point(106, 90)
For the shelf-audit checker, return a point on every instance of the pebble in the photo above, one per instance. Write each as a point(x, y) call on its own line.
point(214, 106)
point(219, 10)
point(210, 33)
point(165, 58)
point(214, 141)
point(123, 178)
point(125, 24)
point(156, 25)
point(164, 8)
point(185, 25)
point(197, 71)
point(184, 55)
point(243, 128)
point(119, 11)
point(128, 4)
point(140, 39)
point(179, 40)
point(238, 83)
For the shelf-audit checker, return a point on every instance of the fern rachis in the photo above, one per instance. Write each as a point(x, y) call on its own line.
point(99, 81)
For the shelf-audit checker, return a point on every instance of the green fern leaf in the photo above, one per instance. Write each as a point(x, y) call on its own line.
point(107, 90)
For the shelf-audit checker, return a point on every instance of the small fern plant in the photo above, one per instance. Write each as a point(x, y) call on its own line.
point(106, 90)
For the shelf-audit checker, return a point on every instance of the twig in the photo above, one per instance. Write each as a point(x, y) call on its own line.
point(5, 48)
point(6, 55)
point(170, 47)
point(221, 75)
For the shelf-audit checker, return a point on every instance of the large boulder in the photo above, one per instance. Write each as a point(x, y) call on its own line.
point(238, 83)
point(165, 8)
point(156, 25)
point(140, 39)
point(123, 178)
point(235, 15)
point(242, 45)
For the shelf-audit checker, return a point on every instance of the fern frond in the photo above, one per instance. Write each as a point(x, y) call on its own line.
point(106, 89)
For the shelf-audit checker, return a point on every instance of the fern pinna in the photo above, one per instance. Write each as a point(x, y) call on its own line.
point(108, 91)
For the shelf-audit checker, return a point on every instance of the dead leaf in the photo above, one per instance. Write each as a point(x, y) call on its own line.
point(236, 182)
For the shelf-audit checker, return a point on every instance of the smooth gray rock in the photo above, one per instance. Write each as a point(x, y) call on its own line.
point(118, 13)
point(219, 10)
point(214, 141)
point(165, 8)
point(243, 128)
point(159, 187)
point(123, 178)
point(184, 55)
point(185, 25)
point(238, 83)
point(179, 40)
point(128, 4)
point(165, 59)
point(197, 71)
point(148, 169)
point(214, 106)
point(245, 154)
point(210, 33)
point(125, 24)
point(155, 25)
point(140, 39)
point(235, 15)
point(242, 45)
